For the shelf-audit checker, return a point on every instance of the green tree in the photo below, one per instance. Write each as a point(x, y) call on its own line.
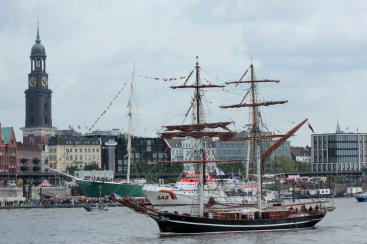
point(92, 166)
point(153, 171)
point(303, 167)
point(285, 164)
point(71, 169)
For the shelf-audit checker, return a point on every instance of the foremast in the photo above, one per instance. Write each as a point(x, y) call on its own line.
point(198, 130)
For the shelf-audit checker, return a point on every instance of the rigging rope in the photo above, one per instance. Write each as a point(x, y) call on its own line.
point(107, 108)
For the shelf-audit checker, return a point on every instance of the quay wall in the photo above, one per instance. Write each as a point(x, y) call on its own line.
point(16, 193)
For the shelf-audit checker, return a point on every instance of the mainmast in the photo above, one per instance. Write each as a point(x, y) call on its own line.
point(199, 143)
point(255, 135)
point(130, 127)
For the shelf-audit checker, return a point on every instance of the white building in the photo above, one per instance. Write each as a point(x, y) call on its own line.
point(79, 151)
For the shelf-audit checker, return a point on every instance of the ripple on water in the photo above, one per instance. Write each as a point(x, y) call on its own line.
point(121, 225)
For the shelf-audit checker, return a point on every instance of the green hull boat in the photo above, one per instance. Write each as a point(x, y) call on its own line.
point(103, 189)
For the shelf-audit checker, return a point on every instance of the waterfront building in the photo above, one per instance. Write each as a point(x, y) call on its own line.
point(227, 150)
point(175, 150)
point(114, 150)
point(67, 133)
point(143, 149)
point(338, 152)
point(109, 154)
point(2, 149)
point(79, 151)
point(113, 132)
point(181, 149)
point(38, 115)
point(301, 154)
point(28, 158)
point(8, 149)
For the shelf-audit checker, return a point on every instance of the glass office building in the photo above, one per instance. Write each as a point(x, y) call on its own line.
point(338, 152)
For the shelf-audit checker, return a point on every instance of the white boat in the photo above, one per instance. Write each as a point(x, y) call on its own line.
point(185, 191)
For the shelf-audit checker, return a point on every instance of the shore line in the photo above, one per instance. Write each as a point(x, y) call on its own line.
point(52, 206)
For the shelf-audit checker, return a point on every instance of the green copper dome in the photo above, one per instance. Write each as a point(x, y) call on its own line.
point(38, 49)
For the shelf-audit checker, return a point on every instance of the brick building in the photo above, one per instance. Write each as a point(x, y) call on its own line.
point(28, 158)
point(8, 149)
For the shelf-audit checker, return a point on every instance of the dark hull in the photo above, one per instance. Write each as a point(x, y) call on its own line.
point(172, 223)
point(361, 198)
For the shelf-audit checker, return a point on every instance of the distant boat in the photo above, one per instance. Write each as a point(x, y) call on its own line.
point(362, 197)
point(98, 206)
point(97, 188)
point(185, 191)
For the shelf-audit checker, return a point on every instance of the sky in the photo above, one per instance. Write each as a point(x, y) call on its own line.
point(317, 49)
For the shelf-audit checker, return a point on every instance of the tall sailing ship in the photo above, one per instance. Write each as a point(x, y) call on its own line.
point(94, 187)
point(212, 216)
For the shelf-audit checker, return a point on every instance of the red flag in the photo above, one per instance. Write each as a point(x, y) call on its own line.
point(309, 126)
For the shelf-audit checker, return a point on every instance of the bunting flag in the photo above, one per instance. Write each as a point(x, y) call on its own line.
point(309, 126)
point(107, 108)
point(163, 79)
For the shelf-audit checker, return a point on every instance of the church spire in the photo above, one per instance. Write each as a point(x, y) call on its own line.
point(38, 40)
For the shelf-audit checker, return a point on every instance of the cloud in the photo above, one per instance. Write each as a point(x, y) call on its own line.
point(317, 50)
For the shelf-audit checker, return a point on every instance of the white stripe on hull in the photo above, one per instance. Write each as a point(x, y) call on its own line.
point(228, 231)
point(240, 226)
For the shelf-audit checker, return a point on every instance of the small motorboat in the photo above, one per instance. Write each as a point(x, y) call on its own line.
point(98, 206)
point(361, 197)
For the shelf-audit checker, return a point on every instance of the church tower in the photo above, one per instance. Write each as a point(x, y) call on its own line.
point(38, 117)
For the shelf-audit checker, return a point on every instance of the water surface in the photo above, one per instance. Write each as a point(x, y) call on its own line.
point(347, 224)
